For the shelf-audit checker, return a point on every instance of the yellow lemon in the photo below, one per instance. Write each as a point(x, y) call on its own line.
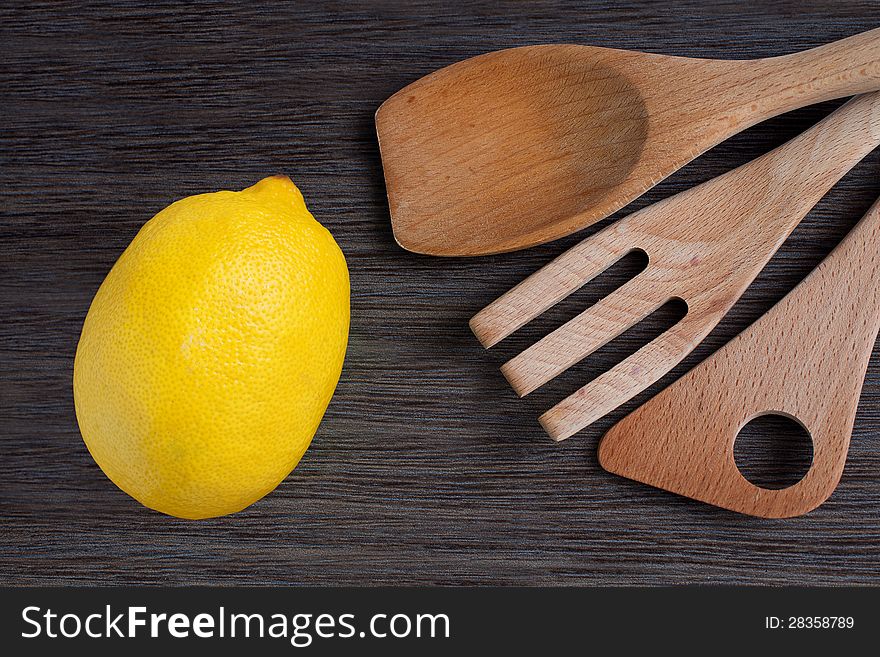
point(212, 349)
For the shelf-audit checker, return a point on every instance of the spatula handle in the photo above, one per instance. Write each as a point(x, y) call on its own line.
point(844, 68)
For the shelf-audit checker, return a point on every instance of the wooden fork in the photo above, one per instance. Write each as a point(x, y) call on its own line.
point(704, 246)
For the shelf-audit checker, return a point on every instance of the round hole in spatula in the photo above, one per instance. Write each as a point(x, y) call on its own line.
point(773, 451)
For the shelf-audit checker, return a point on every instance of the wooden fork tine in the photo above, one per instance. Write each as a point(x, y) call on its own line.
point(582, 335)
point(547, 286)
point(623, 381)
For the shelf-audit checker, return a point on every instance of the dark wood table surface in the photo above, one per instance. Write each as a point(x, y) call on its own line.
point(427, 469)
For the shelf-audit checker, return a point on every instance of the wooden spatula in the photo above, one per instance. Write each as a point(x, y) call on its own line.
point(704, 245)
point(523, 146)
point(805, 359)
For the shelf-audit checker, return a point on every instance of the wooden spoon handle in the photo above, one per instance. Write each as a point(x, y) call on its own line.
point(749, 92)
point(805, 359)
point(846, 67)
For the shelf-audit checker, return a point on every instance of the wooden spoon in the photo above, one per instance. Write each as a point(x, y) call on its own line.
point(523, 146)
point(805, 359)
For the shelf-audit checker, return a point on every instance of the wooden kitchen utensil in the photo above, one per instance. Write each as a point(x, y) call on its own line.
point(523, 146)
point(704, 246)
point(805, 359)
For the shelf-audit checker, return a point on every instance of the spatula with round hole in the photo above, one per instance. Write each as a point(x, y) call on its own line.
point(704, 246)
point(805, 359)
point(519, 147)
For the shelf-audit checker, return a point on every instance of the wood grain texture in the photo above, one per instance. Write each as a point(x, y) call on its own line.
point(522, 146)
point(427, 467)
point(704, 246)
point(805, 360)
